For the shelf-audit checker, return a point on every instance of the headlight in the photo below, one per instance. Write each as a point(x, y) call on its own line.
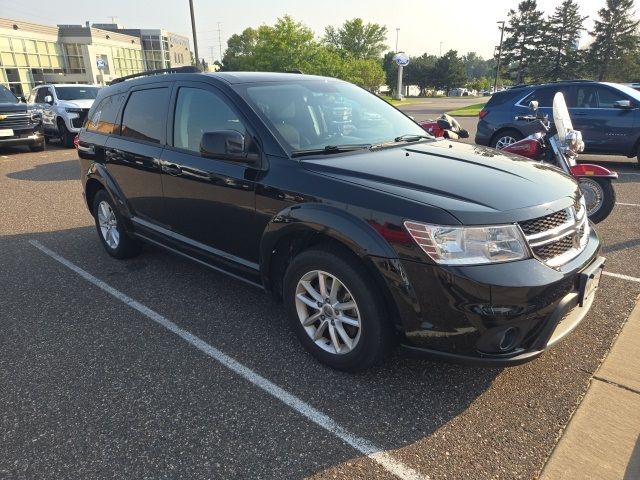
point(469, 245)
point(574, 141)
point(73, 110)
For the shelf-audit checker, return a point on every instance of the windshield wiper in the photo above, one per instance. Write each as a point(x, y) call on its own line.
point(329, 149)
point(411, 137)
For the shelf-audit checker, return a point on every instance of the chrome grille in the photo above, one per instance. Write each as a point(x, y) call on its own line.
point(14, 120)
point(542, 224)
point(557, 238)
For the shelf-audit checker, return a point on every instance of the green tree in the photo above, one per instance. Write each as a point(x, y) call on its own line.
point(614, 51)
point(240, 48)
point(366, 72)
point(476, 66)
point(420, 72)
point(521, 47)
point(390, 68)
point(449, 71)
point(562, 60)
point(358, 39)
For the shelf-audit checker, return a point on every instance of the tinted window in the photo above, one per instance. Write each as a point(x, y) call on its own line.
point(103, 117)
point(145, 115)
point(544, 96)
point(586, 97)
point(76, 93)
point(199, 111)
point(607, 98)
point(6, 96)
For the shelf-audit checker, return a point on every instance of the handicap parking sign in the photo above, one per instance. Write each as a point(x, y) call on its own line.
point(100, 62)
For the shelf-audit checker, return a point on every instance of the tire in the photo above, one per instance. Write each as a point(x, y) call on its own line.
point(505, 137)
point(371, 337)
point(38, 147)
point(118, 243)
point(603, 188)
point(47, 139)
point(65, 136)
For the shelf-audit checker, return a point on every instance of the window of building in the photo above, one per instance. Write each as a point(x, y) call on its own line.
point(74, 56)
point(145, 114)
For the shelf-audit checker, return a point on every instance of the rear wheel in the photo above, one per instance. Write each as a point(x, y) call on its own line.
point(109, 223)
point(599, 196)
point(505, 138)
point(65, 136)
point(335, 309)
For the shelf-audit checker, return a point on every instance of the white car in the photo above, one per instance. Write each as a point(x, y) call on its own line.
point(63, 109)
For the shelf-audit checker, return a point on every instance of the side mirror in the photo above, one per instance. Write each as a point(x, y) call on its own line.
point(22, 99)
point(48, 99)
point(228, 145)
point(533, 105)
point(623, 104)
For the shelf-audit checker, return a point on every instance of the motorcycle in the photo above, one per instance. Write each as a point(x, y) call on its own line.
point(445, 127)
point(559, 144)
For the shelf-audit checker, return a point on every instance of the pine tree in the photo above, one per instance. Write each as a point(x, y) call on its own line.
point(615, 41)
point(522, 44)
point(562, 60)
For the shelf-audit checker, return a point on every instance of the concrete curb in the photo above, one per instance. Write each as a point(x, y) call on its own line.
point(602, 440)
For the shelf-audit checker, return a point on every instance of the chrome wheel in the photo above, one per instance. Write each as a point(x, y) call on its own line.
point(327, 311)
point(505, 142)
point(593, 195)
point(108, 225)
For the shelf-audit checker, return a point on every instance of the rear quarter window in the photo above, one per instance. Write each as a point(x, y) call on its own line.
point(103, 118)
point(500, 98)
point(145, 115)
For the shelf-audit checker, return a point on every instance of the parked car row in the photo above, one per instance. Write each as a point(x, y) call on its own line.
point(51, 112)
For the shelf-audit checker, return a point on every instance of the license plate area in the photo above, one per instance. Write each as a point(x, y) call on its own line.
point(6, 132)
point(590, 280)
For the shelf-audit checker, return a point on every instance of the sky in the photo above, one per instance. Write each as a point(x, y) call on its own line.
point(464, 25)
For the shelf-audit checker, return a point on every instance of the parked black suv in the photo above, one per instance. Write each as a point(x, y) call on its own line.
point(337, 203)
point(18, 125)
point(607, 115)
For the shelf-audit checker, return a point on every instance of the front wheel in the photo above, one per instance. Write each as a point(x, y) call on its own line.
point(336, 310)
point(599, 196)
point(65, 136)
point(506, 138)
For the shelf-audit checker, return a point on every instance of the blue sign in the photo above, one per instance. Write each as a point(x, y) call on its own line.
point(101, 63)
point(402, 59)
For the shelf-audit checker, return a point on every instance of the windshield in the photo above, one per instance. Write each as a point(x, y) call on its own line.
point(561, 118)
point(6, 96)
point(633, 93)
point(77, 93)
point(321, 114)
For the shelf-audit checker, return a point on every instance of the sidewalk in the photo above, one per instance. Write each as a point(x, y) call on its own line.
point(602, 440)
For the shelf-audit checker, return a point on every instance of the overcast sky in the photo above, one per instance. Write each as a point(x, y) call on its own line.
point(463, 25)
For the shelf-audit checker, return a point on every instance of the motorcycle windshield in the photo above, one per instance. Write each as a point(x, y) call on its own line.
point(561, 117)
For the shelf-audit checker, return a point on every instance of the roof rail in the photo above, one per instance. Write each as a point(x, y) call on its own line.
point(147, 73)
point(579, 80)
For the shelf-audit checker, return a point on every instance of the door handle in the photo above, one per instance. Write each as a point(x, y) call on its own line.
point(172, 169)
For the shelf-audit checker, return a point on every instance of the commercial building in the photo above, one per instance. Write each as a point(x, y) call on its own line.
point(33, 54)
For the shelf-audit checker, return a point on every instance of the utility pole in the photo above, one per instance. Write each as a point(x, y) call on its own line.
point(219, 43)
point(113, 18)
point(495, 82)
point(193, 30)
point(440, 48)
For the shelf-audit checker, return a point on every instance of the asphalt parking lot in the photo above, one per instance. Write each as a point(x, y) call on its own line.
point(161, 368)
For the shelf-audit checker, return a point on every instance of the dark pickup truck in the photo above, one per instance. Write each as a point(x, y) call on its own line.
point(18, 126)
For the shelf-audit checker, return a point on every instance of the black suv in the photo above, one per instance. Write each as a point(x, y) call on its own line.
point(325, 195)
point(607, 114)
point(18, 125)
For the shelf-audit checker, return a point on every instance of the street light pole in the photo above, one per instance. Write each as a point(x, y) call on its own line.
point(440, 48)
point(193, 30)
point(495, 82)
point(397, 34)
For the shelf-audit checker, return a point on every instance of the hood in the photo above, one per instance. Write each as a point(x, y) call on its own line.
point(477, 185)
point(76, 103)
point(6, 107)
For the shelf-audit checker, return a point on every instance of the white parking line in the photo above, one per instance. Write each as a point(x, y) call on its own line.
point(628, 204)
point(623, 277)
point(362, 445)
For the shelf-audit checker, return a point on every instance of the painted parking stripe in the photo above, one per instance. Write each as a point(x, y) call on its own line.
point(623, 277)
point(628, 204)
point(362, 445)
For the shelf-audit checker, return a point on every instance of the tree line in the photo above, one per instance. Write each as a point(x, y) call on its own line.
point(536, 48)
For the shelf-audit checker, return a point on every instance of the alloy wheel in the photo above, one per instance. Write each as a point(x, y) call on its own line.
point(328, 312)
point(505, 142)
point(108, 225)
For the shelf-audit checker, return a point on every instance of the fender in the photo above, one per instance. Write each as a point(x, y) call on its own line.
point(590, 170)
point(333, 222)
point(98, 172)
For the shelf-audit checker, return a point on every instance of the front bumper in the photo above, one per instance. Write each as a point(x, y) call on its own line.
point(464, 314)
point(31, 136)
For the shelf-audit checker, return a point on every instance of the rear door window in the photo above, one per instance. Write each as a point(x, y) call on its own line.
point(145, 115)
point(544, 96)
